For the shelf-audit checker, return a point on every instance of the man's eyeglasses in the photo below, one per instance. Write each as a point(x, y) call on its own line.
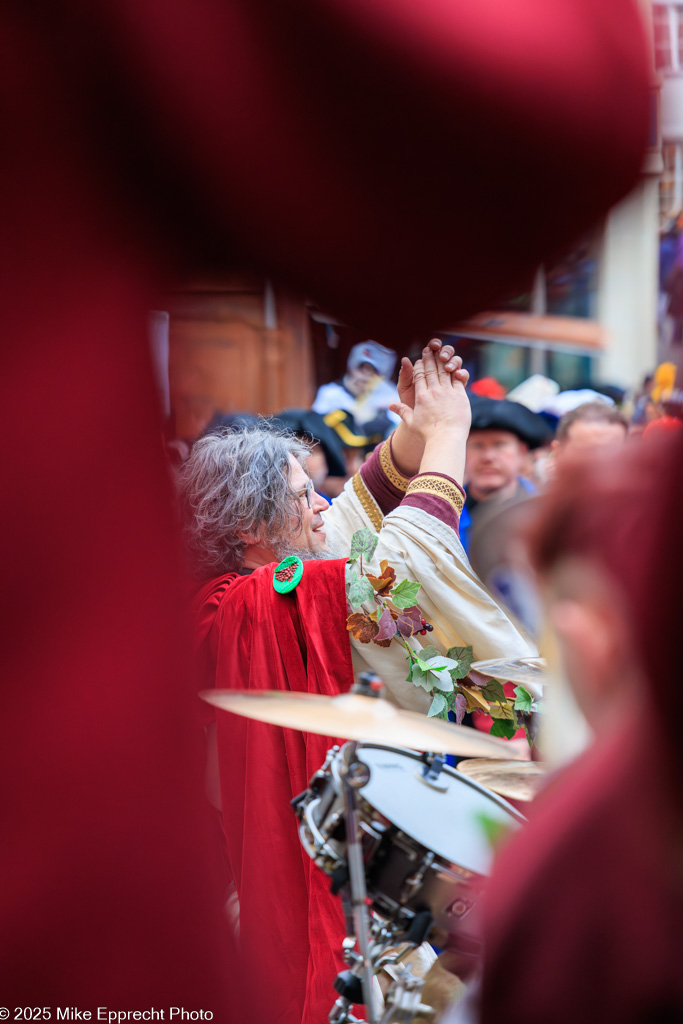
point(306, 492)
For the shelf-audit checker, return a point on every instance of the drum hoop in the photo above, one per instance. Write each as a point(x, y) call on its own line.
point(449, 770)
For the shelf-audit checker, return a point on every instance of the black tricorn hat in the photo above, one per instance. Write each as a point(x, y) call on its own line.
point(500, 414)
point(312, 426)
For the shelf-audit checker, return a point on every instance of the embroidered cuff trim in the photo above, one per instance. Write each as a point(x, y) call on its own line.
point(389, 469)
point(440, 487)
point(368, 503)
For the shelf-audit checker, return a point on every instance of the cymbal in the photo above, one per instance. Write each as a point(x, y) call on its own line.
point(352, 717)
point(517, 780)
point(530, 672)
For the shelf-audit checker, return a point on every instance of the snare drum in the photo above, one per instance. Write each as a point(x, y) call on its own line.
point(427, 845)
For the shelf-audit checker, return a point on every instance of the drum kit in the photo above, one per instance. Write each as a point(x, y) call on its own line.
point(405, 838)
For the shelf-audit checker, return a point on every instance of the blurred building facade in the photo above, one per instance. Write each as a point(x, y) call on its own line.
point(237, 343)
point(609, 280)
point(668, 57)
point(593, 314)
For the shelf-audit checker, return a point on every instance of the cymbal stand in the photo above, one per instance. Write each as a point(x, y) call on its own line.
point(354, 775)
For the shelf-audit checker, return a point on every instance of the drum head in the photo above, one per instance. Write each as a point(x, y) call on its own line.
point(458, 824)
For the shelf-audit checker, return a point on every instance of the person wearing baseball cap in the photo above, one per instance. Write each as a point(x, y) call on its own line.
point(364, 391)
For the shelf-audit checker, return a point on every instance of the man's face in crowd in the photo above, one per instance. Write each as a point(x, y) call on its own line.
point(360, 378)
point(494, 460)
point(312, 537)
point(585, 435)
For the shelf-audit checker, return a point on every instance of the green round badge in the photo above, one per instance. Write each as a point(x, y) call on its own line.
point(288, 574)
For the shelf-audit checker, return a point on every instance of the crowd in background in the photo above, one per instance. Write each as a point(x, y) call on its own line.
point(518, 439)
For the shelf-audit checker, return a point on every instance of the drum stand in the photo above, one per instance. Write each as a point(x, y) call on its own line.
point(357, 984)
point(354, 775)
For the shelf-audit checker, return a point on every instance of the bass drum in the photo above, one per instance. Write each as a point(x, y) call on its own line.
point(427, 845)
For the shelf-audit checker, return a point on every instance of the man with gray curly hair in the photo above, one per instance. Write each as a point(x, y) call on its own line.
point(248, 503)
point(247, 495)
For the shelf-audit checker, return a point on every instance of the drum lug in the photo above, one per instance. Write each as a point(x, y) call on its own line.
point(431, 773)
point(370, 850)
point(413, 883)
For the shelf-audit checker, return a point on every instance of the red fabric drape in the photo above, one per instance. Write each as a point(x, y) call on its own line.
point(291, 927)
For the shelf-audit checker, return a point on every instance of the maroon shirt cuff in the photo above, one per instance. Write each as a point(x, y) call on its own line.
point(381, 476)
point(437, 494)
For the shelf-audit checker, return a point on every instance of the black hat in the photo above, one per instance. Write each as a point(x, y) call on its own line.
point(500, 414)
point(351, 435)
point(313, 427)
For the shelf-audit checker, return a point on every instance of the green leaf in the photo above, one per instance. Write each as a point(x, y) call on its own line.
point(360, 590)
point(504, 727)
point(364, 542)
point(494, 691)
point(428, 652)
point(405, 594)
point(523, 700)
point(493, 829)
point(503, 710)
point(350, 571)
point(438, 705)
point(441, 681)
point(464, 657)
point(416, 670)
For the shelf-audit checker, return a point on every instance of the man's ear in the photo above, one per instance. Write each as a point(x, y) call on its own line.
point(554, 445)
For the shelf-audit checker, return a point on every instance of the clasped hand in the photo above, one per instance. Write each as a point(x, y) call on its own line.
point(434, 402)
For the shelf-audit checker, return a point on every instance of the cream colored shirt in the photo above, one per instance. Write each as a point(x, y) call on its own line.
point(452, 598)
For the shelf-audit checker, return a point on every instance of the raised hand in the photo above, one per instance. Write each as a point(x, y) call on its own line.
point(435, 400)
point(446, 356)
point(441, 416)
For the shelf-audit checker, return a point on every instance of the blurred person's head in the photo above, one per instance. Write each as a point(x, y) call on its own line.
point(360, 378)
point(587, 546)
point(501, 435)
point(588, 428)
point(368, 363)
point(246, 494)
point(495, 459)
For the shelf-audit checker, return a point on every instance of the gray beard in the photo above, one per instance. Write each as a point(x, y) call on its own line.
point(305, 554)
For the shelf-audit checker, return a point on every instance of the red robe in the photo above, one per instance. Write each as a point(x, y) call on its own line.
point(291, 927)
